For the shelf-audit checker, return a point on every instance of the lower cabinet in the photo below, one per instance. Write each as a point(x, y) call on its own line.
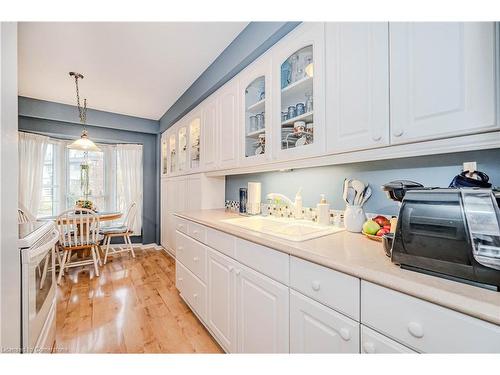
point(315, 328)
point(374, 343)
point(221, 315)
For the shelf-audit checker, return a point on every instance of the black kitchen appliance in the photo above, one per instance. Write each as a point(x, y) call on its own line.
point(451, 233)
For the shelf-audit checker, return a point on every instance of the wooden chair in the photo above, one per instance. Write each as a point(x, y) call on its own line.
point(124, 230)
point(23, 215)
point(78, 231)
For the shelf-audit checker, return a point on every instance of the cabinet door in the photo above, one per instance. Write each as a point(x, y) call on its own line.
point(209, 133)
point(164, 153)
point(357, 91)
point(171, 197)
point(228, 124)
point(255, 102)
point(194, 193)
point(315, 328)
point(182, 145)
point(163, 213)
point(299, 93)
point(172, 150)
point(221, 316)
point(262, 313)
point(442, 79)
point(194, 130)
point(373, 342)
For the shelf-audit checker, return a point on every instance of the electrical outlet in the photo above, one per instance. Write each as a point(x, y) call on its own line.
point(470, 166)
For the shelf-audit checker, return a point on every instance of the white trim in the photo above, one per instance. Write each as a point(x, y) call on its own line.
point(473, 142)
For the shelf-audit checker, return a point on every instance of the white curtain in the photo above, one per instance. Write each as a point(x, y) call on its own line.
point(32, 149)
point(129, 180)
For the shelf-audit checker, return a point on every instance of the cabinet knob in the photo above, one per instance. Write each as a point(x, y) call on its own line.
point(416, 330)
point(195, 232)
point(180, 278)
point(237, 272)
point(180, 248)
point(398, 132)
point(377, 138)
point(196, 259)
point(230, 269)
point(345, 334)
point(316, 285)
point(195, 295)
point(369, 347)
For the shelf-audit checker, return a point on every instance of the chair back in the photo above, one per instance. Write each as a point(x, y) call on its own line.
point(78, 228)
point(130, 217)
point(22, 217)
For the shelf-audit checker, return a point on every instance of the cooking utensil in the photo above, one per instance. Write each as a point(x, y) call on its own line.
point(359, 188)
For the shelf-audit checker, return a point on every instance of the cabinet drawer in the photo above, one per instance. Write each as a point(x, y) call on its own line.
point(270, 262)
point(315, 328)
point(335, 289)
point(181, 225)
point(424, 326)
point(193, 290)
point(192, 254)
point(220, 241)
point(373, 342)
point(197, 231)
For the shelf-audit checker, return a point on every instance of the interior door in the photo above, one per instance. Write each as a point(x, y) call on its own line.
point(262, 313)
point(442, 79)
point(315, 328)
point(221, 299)
point(357, 90)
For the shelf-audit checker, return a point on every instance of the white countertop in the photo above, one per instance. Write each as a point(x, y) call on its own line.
point(361, 257)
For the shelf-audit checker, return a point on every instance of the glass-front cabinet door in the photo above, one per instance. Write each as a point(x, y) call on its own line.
point(300, 86)
point(255, 86)
point(172, 152)
point(194, 125)
point(164, 153)
point(182, 136)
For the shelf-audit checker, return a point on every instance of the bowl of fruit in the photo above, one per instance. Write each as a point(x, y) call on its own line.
point(375, 228)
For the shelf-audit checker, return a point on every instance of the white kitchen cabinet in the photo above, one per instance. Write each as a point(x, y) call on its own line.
point(164, 154)
point(357, 85)
point(209, 133)
point(182, 147)
point(298, 77)
point(373, 342)
point(163, 213)
point(315, 328)
point(228, 118)
point(172, 151)
point(195, 144)
point(262, 313)
point(221, 314)
point(442, 78)
point(255, 102)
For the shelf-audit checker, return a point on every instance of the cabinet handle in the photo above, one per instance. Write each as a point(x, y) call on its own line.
point(345, 334)
point(416, 330)
point(196, 259)
point(377, 138)
point(398, 132)
point(316, 285)
point(369, 347)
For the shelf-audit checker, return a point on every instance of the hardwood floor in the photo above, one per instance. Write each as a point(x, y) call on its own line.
point(133, 307)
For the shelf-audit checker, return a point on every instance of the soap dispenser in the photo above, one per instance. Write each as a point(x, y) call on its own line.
point(298, 205)
point(323, 211)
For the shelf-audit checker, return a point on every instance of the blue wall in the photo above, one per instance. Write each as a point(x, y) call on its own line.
point(104, 132)
point(436, 170)
point(252, 42)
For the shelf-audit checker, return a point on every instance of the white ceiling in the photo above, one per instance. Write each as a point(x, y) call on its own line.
point(137, 69)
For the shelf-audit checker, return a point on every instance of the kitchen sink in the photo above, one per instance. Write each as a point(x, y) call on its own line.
point(288, 229)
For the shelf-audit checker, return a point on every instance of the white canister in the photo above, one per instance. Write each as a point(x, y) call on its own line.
point(254, 198)
point(354, 218)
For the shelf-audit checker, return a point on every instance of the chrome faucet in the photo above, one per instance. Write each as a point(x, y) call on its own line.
point(280, 197)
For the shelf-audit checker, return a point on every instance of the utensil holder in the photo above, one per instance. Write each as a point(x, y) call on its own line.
point(354, 218)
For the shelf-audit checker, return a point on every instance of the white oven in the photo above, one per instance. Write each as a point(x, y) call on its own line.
point(38, 284)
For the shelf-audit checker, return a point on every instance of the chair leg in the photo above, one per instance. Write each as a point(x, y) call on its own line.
point(107, 240)
point(94, 257)
point(130, 245)
point(61, 267)
point(98, 252)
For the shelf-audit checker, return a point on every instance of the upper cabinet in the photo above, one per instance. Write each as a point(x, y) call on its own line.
point(172, 151)
point(255, 99)
point(228, 117)
point(357, 85)
point(209, 133)
point(442, 79)
point(164, 153)
point(194, 140)
point(299, 93)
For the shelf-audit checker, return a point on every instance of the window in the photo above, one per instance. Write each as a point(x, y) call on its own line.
point(49, 201)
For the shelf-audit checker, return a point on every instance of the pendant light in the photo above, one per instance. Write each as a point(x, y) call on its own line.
point(84, 143)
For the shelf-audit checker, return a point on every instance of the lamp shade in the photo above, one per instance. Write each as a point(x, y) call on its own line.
point(84, 144)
